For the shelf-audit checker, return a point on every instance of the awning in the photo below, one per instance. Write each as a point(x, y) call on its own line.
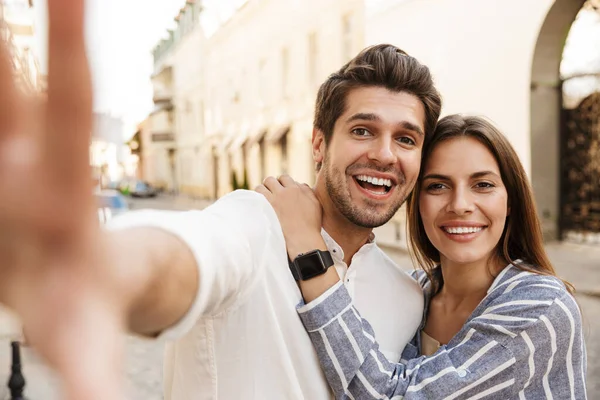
point(237, 142)
point(275, 134)
point(257, 137)
point(162, 106)
point(224, 142)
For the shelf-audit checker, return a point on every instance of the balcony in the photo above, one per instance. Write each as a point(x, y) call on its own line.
point(163, 137)
point(162, 95)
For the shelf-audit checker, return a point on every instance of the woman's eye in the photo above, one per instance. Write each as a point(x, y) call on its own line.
point(436, 186)
point(406, 140)
point(360, 132)
point(485, 185)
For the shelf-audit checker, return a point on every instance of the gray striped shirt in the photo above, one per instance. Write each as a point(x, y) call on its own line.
point(523, 341)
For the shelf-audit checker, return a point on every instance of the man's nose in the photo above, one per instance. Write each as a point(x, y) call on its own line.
point(383, 151)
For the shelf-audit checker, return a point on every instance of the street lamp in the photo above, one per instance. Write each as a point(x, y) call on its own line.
point(16, 382)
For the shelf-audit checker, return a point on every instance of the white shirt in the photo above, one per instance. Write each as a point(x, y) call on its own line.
point(242, 337)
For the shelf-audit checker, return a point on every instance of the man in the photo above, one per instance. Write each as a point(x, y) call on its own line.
point(216, 281)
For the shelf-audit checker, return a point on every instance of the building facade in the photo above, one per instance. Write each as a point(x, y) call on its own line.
point(243, 95)
point(501, 59)
point(17, 28)
point(242, 98)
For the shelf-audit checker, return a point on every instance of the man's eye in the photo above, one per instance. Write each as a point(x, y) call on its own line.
point(406, 140)
point(360, 132)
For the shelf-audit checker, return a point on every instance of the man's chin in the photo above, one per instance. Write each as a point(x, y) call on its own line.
point(369, 221)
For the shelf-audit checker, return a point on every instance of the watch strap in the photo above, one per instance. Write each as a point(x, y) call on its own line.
point(296, 271)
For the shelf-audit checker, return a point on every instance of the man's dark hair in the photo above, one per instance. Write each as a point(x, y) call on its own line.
point(382, 65)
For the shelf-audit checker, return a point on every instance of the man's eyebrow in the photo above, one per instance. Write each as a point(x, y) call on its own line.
point(475, 175)
point(363, 117)
point(409, 126)
point(374, 117)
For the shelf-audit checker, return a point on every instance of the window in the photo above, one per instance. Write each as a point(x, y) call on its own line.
point(283, 143)
point(347, 38)
point(313, 55)
point(285, 67)
point(261, 82)
point(263, 156)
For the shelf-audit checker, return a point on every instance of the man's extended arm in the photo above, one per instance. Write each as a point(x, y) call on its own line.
point(162, 273)
point(178, 267)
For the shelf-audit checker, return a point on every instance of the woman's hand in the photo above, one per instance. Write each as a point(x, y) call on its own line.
point(299, 212)
point(300, 215)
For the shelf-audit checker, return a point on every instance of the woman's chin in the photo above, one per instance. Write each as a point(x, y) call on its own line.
point(463, 257)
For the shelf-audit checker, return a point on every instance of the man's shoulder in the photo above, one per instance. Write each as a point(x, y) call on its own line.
point(242, 198)
point(403, 271)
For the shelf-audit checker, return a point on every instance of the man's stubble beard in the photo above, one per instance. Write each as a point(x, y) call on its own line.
point(365, 217)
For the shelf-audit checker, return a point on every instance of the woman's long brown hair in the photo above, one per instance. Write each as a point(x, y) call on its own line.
point(522, 237)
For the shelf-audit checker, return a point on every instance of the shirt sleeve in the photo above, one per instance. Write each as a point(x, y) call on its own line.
point(228, 241)
point(525, 345)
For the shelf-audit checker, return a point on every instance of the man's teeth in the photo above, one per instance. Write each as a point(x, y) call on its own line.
point(375, 181)
point(459, 230)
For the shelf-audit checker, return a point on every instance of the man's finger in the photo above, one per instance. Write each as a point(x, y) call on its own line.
point(69, 107)
point(272, 184)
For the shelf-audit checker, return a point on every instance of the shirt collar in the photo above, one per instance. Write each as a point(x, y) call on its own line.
point(336, 250)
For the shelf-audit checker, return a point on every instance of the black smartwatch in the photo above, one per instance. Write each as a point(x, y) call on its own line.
point(311, 264)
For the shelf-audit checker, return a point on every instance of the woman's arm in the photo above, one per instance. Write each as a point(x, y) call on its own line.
point(527, 341)
point(300, 216)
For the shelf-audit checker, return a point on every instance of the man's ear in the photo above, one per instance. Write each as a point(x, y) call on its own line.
point(318, 145)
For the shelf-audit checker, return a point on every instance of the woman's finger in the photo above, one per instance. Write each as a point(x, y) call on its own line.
point(272, 184)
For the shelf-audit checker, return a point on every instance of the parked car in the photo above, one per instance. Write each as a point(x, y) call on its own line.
point(110, 203)
point(139, 188)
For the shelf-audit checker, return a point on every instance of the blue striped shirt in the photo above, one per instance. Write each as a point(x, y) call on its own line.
point(523, 341)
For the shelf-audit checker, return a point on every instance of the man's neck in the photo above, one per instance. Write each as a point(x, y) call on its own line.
point(346, 234)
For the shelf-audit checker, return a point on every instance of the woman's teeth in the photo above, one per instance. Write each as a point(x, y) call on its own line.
point(463, 230)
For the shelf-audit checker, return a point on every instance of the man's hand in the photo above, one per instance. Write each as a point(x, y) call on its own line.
point(55, 267)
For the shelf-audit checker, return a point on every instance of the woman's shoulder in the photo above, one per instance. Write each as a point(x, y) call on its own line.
point(529, 293)
point(519, 277)
point(421, 277)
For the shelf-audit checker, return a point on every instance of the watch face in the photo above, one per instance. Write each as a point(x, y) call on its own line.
point(311, 264)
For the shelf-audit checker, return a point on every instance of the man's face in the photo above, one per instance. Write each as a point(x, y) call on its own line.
point(372, 160)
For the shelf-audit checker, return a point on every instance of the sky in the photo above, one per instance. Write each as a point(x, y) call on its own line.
point(120, 38)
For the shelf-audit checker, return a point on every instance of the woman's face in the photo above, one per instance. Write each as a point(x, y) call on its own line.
point(463, 201)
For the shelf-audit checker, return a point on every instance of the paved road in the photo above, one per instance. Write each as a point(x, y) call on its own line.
point(143, 369)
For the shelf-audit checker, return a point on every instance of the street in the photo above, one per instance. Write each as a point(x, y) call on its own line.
point(143, 368)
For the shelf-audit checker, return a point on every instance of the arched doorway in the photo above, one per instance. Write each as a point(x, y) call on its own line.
point(551, 158)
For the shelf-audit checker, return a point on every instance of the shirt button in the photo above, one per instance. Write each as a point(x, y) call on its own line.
point(462, 373)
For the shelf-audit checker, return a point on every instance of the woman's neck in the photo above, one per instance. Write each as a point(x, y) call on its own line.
point(466, 284)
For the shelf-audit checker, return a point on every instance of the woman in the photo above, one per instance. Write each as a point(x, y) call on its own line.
point(498, 323)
